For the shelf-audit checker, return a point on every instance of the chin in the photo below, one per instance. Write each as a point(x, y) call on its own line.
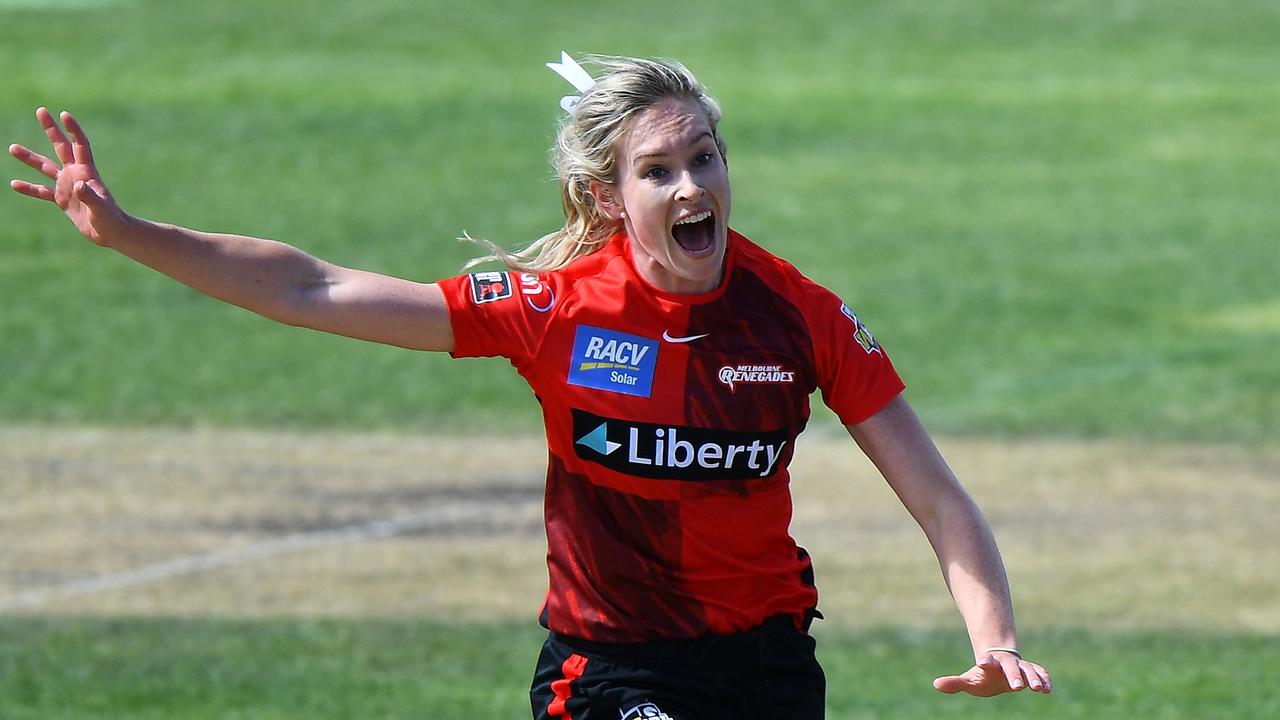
point(702, 269)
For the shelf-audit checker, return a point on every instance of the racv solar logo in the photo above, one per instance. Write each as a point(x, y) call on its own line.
point(614, 361)
point(677, 452)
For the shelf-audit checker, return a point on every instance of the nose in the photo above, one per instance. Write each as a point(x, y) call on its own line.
point(689, 190)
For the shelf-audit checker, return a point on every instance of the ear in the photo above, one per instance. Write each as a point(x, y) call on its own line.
point(607, 200)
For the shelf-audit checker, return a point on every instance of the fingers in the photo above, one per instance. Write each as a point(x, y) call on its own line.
point(1038, 677)
point(35, 160)
point(1008, 666)
point(39, 192)
point(1023, 673)
point(1019, 673)
point(61, 146)
point(80, 150)
point(994, 675)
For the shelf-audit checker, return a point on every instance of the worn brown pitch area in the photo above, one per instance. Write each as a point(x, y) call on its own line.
point(1100, 533)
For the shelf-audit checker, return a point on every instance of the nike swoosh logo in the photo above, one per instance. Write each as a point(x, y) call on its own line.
point(667, 336)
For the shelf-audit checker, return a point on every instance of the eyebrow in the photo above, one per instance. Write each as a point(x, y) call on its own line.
point(695, 141)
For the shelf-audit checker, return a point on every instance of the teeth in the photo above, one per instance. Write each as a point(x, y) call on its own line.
point(696, 218)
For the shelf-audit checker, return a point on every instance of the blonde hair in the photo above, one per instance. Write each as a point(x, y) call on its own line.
point(585, 151)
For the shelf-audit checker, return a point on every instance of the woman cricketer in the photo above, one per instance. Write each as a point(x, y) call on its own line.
point(673, 360)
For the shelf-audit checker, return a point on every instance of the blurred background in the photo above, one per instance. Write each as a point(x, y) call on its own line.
point(1060, 219)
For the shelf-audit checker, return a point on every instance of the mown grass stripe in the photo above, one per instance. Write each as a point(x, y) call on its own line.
point(79, 668)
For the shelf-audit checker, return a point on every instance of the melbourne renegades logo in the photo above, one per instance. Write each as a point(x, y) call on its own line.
point(754, 375)
point(647, 711)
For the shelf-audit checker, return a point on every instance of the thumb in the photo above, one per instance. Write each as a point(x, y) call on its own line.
point(99, 189)
point(972, 678)
point(102, 222)
point(86, 194)
point(950, 684)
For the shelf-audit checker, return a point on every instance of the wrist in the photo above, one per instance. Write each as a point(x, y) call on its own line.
point(126, 227)
point(1006, 648)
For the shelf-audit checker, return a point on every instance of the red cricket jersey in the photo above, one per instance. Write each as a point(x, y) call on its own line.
point(670, 422)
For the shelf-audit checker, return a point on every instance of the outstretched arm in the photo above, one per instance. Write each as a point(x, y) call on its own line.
point(270, 278)
point(898, 444)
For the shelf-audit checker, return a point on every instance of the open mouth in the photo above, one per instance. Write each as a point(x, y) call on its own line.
point(696, 234)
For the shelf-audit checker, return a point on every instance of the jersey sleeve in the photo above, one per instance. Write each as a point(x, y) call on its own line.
point(855, 374)
point(499, 314)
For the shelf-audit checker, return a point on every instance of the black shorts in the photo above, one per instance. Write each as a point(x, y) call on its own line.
point(768, 673)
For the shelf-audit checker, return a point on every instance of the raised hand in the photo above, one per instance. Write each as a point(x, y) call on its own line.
point(997, 673)
point(77, 187)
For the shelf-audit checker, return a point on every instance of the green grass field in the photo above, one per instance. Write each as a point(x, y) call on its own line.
point(166, 668)
point(1073, 204)
point(1060, 218)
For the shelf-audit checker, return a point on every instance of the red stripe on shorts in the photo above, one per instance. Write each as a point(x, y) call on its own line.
point(572, 669)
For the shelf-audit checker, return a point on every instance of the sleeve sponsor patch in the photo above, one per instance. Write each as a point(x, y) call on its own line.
point(538, 294)
point(487, 287)
point(860, 332)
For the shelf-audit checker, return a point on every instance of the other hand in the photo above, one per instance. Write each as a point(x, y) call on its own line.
point(77, 187)
point(997, 673)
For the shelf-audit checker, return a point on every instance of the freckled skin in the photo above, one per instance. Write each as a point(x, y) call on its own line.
point(669, 168)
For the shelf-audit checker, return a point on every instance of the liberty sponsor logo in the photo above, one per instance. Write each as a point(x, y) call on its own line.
point(645, 711)
point(860, 331)
point(677, 452)
point(754, 375)
point(487, 287)
point(537, 293)
point(614, 361)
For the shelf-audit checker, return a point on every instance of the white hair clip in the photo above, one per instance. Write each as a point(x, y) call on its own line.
point(577, 77)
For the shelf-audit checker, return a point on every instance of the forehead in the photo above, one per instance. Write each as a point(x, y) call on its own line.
point(665, 128)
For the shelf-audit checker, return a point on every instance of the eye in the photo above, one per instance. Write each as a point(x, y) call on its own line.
point(703, 158)
point(655, 172)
